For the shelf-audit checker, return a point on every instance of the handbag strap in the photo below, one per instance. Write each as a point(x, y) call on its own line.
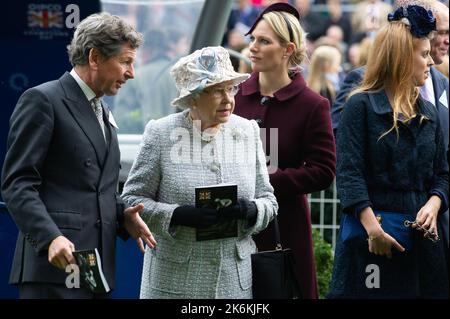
point(277, 234)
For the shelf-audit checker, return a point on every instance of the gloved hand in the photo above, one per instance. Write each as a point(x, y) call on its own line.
point(189, 215)
point(244, 209)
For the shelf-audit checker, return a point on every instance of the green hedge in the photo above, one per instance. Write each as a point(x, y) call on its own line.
point(323, 253)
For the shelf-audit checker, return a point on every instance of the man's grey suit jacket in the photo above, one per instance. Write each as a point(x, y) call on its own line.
point(60, 178)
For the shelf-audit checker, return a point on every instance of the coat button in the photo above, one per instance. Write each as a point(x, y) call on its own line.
point(265, 100)
point(215, 167)
point(98, 223)
point(87, 162)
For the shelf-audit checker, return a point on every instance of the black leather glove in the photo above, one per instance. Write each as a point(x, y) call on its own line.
point(189, 215)
point(244, 209)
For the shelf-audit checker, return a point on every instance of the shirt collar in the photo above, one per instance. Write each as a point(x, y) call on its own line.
point(298, 84)
point(84, 87)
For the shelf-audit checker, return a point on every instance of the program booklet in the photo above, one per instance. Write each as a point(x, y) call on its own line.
point(217, 196)
point(91, 273)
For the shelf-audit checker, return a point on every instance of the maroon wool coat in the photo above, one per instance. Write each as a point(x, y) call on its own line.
point(306, 164)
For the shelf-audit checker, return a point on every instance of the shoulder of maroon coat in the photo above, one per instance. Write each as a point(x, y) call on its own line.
point(299, 91)
point(250, 86)
point(296, 87)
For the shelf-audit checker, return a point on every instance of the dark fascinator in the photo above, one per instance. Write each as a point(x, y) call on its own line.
point(420, 20)
point(280, 7)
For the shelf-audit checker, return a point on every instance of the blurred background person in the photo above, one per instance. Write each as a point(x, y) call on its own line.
point(242, 16)
point(312, 22)
point(336, 17)
point(364, 51)
point(149, 96)
point(352, 57)
point(324, 69)
point(336, 34)
point(245, 65)
point(369, 16)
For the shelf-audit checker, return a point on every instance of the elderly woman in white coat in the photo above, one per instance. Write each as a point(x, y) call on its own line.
point(203, 145)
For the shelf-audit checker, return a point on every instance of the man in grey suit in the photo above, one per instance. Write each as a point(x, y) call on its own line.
point(61, 169)
point(435, 90)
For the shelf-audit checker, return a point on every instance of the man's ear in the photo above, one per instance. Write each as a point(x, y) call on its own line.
point(94, 58)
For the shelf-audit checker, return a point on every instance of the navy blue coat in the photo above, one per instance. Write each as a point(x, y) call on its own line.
point(391, 175)
point(440, 87)
point(351, 80)
point(441, 94)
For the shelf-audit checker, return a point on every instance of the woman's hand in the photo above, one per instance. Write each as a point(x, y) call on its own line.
point(244, 209)
point(427, 216)
point(382, 243)
point(191, 216)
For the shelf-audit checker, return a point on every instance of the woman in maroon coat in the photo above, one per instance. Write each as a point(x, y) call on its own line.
point(299, 144)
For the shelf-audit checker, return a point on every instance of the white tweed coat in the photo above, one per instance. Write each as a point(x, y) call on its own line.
point(173, 159)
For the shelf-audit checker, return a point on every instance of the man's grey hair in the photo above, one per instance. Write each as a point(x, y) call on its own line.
point(105, 32)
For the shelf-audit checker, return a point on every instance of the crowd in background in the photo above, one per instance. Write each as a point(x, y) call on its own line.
point(340, 28)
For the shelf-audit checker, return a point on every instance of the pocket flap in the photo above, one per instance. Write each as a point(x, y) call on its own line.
point(66, 219)
point(175, 253)
point(245, 247)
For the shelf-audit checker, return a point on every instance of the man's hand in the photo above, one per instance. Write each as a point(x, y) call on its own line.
point(137, 228)
point(60, 252)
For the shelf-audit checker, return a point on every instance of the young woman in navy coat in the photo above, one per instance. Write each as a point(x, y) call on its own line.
point(391, 157)
point(299, 141)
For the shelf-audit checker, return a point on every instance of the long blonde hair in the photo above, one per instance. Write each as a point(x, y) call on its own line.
point(321, 60)
point(277, 21)
point(390, 67)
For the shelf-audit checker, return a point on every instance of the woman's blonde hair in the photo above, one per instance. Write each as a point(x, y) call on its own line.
point(390, 66)
point(277, 21)
point(322, 59)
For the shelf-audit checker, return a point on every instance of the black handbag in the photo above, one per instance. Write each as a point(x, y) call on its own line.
point(273, 272)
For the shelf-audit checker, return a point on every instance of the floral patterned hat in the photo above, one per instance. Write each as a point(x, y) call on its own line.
point(201, 69)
